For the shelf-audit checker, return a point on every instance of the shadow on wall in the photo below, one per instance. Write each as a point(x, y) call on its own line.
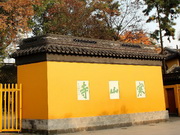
point(123, 109)
point(102, 121)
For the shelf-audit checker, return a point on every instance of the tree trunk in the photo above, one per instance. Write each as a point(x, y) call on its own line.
point(161, 41)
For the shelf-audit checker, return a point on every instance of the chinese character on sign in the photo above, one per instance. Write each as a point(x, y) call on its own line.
point(114, 89)
point(140, 89)
point(83, 90)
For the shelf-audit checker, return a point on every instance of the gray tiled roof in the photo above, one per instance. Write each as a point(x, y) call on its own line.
point(171, 53)
point(69, 45)
point(172, 78)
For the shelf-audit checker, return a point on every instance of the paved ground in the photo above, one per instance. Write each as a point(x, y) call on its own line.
point(172, 127)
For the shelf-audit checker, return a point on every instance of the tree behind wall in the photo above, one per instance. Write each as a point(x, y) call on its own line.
point(103, 19)
point(14, 17)
point(78, 18)
point(166, 11)
point(139, 37)
point(130, 18)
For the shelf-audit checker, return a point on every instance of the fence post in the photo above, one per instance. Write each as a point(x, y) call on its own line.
point(20, 116)
point(0, 107)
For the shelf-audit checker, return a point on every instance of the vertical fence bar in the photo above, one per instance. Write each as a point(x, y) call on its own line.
point(5, 107)
point(1, 110)
point(16, 104)
point(12, 111)
point(9, 104)
point(20, 113)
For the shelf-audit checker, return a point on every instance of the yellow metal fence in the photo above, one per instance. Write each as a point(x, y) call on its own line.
point(10, 107)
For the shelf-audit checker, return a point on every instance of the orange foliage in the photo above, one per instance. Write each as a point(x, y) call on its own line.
point(87, 18)
point(14, 16)
point(136, 37)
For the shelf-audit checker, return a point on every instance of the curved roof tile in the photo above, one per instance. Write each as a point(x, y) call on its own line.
point(69, 45)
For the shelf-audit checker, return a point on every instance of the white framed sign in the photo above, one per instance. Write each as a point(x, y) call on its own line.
point(83, 90)
point(114, 89)
point(140, 89)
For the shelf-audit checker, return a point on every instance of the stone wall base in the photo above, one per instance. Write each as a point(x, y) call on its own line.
point(58, 126)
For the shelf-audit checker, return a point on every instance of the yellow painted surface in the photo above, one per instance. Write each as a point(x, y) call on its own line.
point(34, 95)
point(62, 89)
point(170, 63)
point(176, 94)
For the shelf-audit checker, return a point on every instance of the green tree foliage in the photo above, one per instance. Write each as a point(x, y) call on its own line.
point(164, 12)
point(103, 19)
point(78, 17)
